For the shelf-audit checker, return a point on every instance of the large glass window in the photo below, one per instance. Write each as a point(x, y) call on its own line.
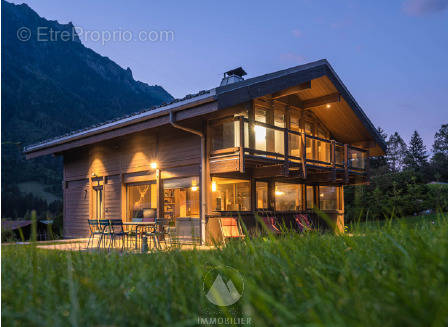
point(141, 200)
point(310, 197)
point(329, 198)
point(225, 134)
point(262, 195)
point(230, 194)
point(288, 197)
point(181, 197)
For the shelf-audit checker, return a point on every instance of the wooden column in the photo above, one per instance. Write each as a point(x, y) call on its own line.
point(241, 131)
point(160, 194)
point(270, 133)
point(286, 139)
point(253, 194)
point(346, 163)
point(271, 195)
point(333, 158)
point(303, 145)
point(251, 114)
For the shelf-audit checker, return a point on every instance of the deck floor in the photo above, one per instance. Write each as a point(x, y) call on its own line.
point(80, 244)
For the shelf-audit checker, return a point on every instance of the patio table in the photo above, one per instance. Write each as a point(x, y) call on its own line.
point(139, 224)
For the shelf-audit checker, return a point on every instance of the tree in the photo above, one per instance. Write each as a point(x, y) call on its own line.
point(441, 140)
point(439, 161)
point(378, 165)
point(416, 155)
point(396, 152)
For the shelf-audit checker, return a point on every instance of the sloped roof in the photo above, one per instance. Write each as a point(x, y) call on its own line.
point(227, 96)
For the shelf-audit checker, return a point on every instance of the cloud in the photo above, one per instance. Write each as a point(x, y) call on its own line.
point(423, 7)
point(292, 57)
point(297, 33)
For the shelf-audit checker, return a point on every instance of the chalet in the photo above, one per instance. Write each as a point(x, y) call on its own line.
point(283, 142)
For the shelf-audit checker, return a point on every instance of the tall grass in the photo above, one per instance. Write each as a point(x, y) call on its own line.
point(388, 275)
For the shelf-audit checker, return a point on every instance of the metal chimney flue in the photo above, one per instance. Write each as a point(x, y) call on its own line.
point(233, 76)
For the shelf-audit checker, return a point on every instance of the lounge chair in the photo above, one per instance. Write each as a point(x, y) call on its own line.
point(303, 222)
point(230, 228)
point(271, 226)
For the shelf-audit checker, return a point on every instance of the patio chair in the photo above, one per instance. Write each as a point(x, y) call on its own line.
point(271, 226)
point(303, 222)
point(162, 231)
point(95, 230)
point(230, 228)
point(117, 231)
point(104, 228)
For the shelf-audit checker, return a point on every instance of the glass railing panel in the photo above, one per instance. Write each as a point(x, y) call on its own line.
point(323, 151)
point(357, 159)
point(339, 154)
point(225, 135)
point(294, 145)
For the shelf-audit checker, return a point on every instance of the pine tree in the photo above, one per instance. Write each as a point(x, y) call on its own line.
point(378, 164)
point(416, 154)
point(396, 152)
point(441, 141)
point(439, 161)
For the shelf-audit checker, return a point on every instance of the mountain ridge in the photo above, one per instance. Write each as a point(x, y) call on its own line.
point(52, 87)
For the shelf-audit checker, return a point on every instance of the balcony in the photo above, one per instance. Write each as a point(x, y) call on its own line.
point(263, 150)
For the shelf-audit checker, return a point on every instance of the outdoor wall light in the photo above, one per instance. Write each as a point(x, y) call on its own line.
point(279, 193)
point(94, 175)
point(194, 188)
point(328, 105)
point(154, 165)
point(213, 186)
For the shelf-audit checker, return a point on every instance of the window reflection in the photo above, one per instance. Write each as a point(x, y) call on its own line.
point(329, 198)
point(230, 194)
point(288, 197)
point(141, 200)
point(262, 195)
point(181, 197)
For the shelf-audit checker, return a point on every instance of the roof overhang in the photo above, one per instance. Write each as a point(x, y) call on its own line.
point(220, 98)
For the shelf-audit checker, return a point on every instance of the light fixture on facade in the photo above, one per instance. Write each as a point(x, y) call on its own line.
point(154, 165)
point(279, 193)
point(213, 186)
point(194, 188)
point(328, 105)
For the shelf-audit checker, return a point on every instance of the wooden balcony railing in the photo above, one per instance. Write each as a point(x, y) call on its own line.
point(260, 140)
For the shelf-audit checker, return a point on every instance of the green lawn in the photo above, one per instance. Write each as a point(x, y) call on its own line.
point(389, 274)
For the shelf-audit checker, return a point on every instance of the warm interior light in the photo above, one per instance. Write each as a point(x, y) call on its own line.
point(260, 133)
point(194, 188)
point(154, 165)
point(328, 105)
point(279, 193)
point(213, 186)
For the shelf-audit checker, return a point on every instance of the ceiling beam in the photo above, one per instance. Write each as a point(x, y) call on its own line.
point(326, 99)
point(291, 90)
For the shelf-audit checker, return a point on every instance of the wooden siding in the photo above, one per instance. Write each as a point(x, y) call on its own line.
point(122, 160)
point(76, 208)
point(112, 197)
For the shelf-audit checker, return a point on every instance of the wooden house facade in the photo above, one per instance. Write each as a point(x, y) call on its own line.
point(282, 142)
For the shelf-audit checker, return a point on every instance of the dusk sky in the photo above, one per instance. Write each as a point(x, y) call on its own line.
point(392, 55)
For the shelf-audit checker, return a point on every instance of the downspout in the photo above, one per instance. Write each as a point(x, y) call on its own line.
point(203, 181)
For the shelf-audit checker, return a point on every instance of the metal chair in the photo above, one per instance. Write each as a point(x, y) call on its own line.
point(94, 230)
point(117, 231)
point(162, 230)
point(104, 227)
